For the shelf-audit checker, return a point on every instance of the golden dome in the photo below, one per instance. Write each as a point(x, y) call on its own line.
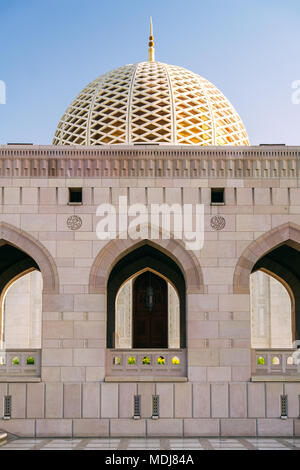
point(151, 102)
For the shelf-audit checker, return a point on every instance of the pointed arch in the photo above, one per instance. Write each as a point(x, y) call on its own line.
point(288, 233)
point(33, 248)
point(116, 249)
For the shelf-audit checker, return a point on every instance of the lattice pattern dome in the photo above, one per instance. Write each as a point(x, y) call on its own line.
point(151, 102)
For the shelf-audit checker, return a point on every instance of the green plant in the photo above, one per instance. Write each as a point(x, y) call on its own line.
point(146, 360)
point(131, 360)
point(161, 360)
point(16, 361)
point(30, 360)
point(261, 361)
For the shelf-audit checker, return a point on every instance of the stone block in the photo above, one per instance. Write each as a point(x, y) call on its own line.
point(202, 329)
point(183, 400)
point(201, 427)
point(91, 428)
point(234, 329)
point(29, 196)
point(275, 427)
point(54, 400)
point(35, 400)
point(47, 196)
point(127, 428)
point(57, 357)
point(235, 357)
point(72, 400)
point(219, 400)
point(273, 392)
point(165, 427)
point(89, 303)
point(74, 249)
point(19, 427)
point(262, 196)
point(258, 222)
point(218, 374)
point(91, 400)
point(293, 393)
point(201, 400)
point(54, 428)
point(89, 329)
point(57, 329)
point(127, 392)
point(238, 427)
point(234, 303)
point(244, 196)
point(256, 400)
point(165, 391)
point(12, 196)
point(109, 400)
point(73, 374)
point(18, 400)
point(88, 357)
point(238, 400)
point(203, 357)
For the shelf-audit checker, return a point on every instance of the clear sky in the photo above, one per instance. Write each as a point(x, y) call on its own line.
point(51, 49)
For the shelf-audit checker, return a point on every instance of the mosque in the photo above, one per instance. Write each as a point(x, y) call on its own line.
point(131, 332)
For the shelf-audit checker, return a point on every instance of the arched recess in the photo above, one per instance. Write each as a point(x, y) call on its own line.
point(117, 249)
point(278, 253)
point(21, 327)
point(144, 256)
point(32, 254)
point(125, 313)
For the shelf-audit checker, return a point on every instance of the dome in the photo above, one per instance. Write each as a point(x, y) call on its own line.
point(151, 103)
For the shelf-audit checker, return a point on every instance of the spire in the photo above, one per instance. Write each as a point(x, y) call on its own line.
point(151, 53)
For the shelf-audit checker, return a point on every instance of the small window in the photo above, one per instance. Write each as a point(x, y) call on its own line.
point(75, 195)
point(217, 196)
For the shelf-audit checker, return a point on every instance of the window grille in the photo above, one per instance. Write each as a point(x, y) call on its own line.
point(155, 406)
point(284, 406)
point(7, 407)
point(137, 407)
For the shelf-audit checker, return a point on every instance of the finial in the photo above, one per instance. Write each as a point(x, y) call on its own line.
point(151, 53)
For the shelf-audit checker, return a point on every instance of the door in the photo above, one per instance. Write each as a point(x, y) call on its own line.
point(150, 311)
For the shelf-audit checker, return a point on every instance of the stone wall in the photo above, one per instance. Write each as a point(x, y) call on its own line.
point(219, 397)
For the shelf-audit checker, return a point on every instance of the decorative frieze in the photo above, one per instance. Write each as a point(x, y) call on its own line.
point(149, 162)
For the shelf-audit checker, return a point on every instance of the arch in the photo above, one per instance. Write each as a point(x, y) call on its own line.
point(287, 281)
point(39, 254)
point(109, 256)
point(135, 261)
point(288, 233)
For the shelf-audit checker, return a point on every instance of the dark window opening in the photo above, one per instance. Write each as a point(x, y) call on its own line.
point(217, 196)
point(75, 195)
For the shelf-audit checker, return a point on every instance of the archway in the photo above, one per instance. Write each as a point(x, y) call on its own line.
point(278, 253)
point(143, 259)
point(21, 254)
point(175, 250)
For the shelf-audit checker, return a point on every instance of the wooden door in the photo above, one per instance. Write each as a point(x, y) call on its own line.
point(150, 326)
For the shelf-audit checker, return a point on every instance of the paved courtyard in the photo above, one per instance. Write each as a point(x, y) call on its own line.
point(154, 444)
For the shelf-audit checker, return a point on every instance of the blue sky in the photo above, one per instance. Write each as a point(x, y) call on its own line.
point(51, 49)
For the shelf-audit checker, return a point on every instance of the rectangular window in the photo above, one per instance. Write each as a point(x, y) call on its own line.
point(217, 196)
point(75, 195)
